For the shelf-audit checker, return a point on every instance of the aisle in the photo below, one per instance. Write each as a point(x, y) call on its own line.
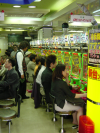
point(36, 121)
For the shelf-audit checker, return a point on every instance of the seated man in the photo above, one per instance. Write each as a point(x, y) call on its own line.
point(3, 69)
point(11, 81)
point(47, 75)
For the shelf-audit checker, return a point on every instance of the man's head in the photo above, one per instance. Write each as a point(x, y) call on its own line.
point(15, 47)
point(24, 45)
point(33, 57)
point(3, 59)
point(51, 61)
point(10, 62)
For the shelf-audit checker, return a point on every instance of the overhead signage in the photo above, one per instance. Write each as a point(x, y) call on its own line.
point(82, 18)
point(94, 47)
point(1, 16)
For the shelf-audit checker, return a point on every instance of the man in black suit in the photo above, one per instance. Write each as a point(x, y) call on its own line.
point(47, 75)
point(11, 81)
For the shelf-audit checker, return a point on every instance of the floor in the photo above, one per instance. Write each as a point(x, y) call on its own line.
point(36, 120)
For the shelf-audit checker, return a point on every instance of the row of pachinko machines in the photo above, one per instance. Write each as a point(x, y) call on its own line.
point(76, 64)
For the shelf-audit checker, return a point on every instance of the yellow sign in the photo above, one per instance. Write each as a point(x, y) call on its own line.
point(93, 93)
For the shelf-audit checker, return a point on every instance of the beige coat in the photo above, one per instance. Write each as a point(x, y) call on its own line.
point(30, 70)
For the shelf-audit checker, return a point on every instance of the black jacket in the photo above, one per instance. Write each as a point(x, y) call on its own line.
point(10, 82)
point(61, 91)
point(46, 79)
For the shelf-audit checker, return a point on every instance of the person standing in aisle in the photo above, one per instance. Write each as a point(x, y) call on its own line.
point(13, 53)
point(27, 57)
point(21, 68)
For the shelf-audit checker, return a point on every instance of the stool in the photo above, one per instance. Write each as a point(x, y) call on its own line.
point(53, 99)
point(62, 114)
point(8, 114)
point(6, 103)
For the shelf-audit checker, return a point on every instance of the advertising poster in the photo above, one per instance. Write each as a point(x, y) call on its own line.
point(94, 47)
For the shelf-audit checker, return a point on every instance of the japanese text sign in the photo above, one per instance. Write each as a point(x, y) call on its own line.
point(81, 18)
point(94, 73)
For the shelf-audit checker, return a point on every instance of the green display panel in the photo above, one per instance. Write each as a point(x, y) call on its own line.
point(84, 72)
point(76, 69)
point(60, 57)
point(67, 61)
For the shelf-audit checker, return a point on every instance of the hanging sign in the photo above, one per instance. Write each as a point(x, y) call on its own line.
point(81, 18)
point(1, 16)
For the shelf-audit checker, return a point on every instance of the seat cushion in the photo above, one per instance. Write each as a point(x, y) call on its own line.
point(6, 103)
point(7, 114)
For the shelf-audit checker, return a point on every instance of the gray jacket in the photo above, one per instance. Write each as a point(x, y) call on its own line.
point(10, 82)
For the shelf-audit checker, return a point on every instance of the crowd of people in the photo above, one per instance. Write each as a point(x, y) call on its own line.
point(49, 76)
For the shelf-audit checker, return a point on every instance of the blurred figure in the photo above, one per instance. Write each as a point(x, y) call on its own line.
point(30, 67)
point(3, 69)
point(38, 63)
point(13, 53)
point(21, 68)
point(27, 57)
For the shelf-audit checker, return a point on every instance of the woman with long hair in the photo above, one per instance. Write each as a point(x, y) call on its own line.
point(63, 94)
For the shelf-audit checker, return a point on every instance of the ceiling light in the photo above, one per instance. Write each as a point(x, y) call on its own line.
point(16, 6)
point(31, 6)
point(96, 11)
point(75, 31)
point(37, 0)
point(13, 33)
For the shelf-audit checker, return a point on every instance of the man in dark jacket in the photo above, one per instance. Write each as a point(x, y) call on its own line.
point(47, 75)
point(11, 82)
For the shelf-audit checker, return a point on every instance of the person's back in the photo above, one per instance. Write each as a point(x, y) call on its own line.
point(30, 67)
point(47, 75)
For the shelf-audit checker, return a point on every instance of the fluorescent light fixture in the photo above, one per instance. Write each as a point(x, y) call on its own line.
point(75, 31)
point(13, 33)
point(96, 11)
point(16, 6)
point(58, 31)
point(37, 0)
point(31, 6)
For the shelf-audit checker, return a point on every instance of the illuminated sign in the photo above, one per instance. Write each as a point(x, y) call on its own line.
point(81, 18)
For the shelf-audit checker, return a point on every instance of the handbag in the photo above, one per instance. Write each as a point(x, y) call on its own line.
point(75, 101)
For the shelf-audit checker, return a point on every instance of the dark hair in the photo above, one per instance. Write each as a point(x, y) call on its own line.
point(43, 60)
point(58, 71)
point(4, 57)
point(50, 59)
point(32, 56)
point(23, 44)
point(15, 45)
point(12, 61)
point(38, 59)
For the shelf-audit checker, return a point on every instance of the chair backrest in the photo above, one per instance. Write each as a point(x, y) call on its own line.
point(53, 99)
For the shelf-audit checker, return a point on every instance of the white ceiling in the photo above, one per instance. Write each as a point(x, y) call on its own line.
point(19, 19)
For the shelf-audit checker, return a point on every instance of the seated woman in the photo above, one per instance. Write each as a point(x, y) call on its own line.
point(41, 68)
point(62, 93)
point(38, 63)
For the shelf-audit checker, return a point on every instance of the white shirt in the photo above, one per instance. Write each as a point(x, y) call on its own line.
point(38, 79)
point(20, 61)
